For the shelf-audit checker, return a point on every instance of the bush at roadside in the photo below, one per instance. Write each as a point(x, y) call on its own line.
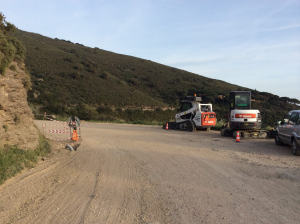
point(13, 160)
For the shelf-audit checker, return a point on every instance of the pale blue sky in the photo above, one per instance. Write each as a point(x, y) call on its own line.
point(255, 44)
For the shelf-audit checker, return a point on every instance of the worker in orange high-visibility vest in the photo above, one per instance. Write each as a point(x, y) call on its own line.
point(75, 135)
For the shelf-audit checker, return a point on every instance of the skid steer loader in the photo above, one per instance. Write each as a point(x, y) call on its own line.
point(193, 115)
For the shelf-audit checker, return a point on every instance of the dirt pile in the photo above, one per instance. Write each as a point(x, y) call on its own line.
point(16, 118)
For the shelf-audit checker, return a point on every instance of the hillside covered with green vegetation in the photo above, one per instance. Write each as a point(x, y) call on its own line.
point(69, 78)
point(11, 49)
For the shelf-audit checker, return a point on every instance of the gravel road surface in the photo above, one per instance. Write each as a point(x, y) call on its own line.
point(125, 173)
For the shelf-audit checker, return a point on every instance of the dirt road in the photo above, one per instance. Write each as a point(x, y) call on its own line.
point(143, 174)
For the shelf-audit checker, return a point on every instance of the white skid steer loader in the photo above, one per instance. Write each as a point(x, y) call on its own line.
point(193, 115)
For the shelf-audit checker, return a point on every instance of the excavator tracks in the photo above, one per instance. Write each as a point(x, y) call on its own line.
point(246, 134)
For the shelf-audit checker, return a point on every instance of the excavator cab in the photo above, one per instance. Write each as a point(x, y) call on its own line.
point(242, 118)
point(240, 100)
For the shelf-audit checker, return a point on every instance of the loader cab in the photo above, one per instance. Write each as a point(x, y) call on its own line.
point(240, 100)
point(188, 101)
point(185, 105)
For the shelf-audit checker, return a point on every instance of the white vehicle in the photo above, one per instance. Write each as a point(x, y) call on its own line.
point(288, 131)
point(193, 115)
point(242, 118)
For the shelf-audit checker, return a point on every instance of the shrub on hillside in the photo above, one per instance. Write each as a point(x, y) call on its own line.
point(8, 52)
point(103, 76)
point(104, 110)
point(10, 48)
point(13, 68)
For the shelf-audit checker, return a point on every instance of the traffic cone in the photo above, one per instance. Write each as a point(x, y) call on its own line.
point(237, 139)
point(167, 126)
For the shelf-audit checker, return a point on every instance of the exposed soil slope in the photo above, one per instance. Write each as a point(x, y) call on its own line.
point(16, 118)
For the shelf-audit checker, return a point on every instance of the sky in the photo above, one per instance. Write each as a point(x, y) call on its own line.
point(253, 43)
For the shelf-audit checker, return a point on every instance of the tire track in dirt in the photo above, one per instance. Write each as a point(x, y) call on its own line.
point(143, 174)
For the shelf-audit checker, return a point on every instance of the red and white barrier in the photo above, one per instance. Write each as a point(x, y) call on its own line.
point(57, 131)
point(65, 129)
point(57, 139)
point(55, 125)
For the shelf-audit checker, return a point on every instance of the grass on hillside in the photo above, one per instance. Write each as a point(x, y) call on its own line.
point(11, 48)
point(13, 159)
point(70, 74)
point(69, 78)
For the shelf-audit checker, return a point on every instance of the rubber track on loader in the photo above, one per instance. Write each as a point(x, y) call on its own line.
point(183, 126)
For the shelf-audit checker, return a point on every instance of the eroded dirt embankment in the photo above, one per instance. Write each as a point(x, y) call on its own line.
point(16, 118)
point(144, 174)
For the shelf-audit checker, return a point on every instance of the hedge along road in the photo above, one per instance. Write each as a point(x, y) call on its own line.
point(125, 173)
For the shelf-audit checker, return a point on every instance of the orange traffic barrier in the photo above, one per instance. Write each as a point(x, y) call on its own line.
point(237, 139)
point(167, 126)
